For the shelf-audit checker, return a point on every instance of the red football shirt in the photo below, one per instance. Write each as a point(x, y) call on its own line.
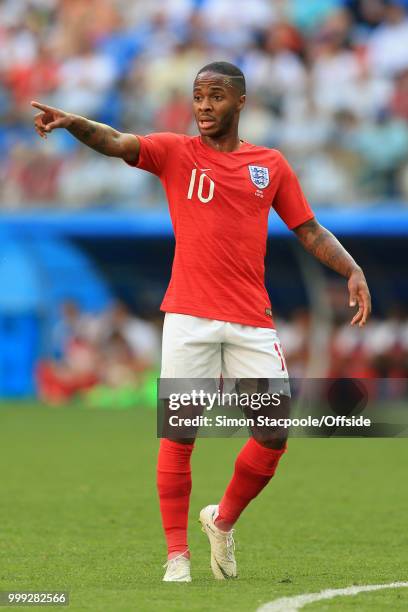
point(219, 206)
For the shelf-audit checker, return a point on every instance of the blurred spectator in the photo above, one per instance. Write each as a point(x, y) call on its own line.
point(39, 77)
point(30, 175)
point(311, 68)
point(67, 328)
point(257, 121)
point(75, 364)
point(165, 73)
point(335, 64)
point(387, 45)
point(90, 178)
point(383, 146)
point(273, 68)
point(231, 23)
point(309, 15)
point(115, 349)
point(175, 116)
point(85, 78)
point(141, 337)
point(399, 101)
point(381, 350)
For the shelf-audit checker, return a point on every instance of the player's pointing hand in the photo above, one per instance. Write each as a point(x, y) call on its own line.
point(49, 119)
point(359, 294)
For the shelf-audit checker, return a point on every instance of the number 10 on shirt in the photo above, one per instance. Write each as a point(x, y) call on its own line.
point(210, 189)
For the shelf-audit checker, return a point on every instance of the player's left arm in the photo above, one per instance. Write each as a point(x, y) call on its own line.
point(326, 248)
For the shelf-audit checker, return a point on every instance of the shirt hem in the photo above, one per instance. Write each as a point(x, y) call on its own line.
point(219, 317)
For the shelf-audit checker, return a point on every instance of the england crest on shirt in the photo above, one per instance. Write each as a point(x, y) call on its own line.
point(259, 176)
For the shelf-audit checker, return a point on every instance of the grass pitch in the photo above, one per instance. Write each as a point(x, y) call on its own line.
point(78, 512)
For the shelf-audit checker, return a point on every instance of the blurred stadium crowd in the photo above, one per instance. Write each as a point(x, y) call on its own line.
point(379, 350)
point(327, 84)
point(110, 356)
point(112, 359)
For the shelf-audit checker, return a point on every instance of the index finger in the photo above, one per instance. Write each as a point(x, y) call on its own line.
point(42, 107)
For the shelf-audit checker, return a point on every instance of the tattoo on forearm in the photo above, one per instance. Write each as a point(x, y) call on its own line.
point(325, 247)
point(98, 136)
point(88, 132)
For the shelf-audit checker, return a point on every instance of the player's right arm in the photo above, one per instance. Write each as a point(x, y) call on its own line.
point(100, 137)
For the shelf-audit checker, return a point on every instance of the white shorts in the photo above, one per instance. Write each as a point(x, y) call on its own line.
point(194, 347)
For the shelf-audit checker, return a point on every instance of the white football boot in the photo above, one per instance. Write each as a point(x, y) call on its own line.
point(177, 569)
point(223, 562)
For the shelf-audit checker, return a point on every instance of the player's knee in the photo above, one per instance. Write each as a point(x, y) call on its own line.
point(273, 443)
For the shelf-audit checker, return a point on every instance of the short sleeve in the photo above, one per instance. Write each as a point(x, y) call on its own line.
point(155, 150)
point(290, 202)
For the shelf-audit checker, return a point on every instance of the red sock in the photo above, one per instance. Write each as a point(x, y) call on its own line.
point(174, 487)
point(254, 467)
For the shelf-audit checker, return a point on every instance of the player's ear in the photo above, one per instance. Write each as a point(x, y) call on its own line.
point(241, 102)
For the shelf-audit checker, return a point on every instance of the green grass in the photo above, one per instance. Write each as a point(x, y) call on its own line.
point(78, 512)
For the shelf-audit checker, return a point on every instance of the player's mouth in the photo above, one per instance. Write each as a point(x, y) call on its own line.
point(205, 123)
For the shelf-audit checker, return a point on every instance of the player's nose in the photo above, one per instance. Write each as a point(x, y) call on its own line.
point(205, 104)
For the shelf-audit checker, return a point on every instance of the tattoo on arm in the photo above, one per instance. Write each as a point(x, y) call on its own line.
point(325, 247)
point(100, 137)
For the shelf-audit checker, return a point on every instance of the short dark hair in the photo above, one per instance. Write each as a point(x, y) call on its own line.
point(227, 69)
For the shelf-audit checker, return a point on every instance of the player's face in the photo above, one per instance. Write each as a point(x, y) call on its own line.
point(216, 104)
